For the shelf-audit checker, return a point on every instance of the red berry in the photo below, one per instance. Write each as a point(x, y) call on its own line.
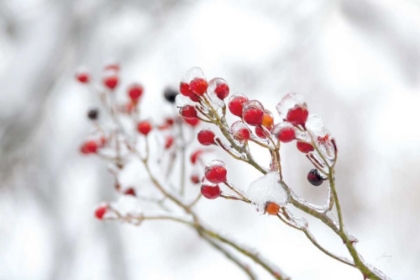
point(135, 91)
point(206, 137)
point(144, 127)
point(260, 132)
point(169, 141)
point(216, 172)
point(304, 147)
point(195, 179)
point(286, 134)
point(100, 212)
point(297, 115)
point(222, 91)
point(198, 86)
point(89, 147)
point(272, 208)
point(192, 122)
point(111, 80)
point(253, 116)
point(194, 97)
point(253, 112)
point(315, 178)
point(188, 112)
point(184, 88)
point(240, 131)
point(130, 191)
point(83, 77)
point(194, 156)
point(210, 192)
point(236, 104)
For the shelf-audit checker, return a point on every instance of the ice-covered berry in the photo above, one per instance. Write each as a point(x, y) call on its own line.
point(130, 191)
point(253, 112)
point(110, 79)
point(210, 191)
point(100, 211)
point(297, 115)
point(89, 147)
point(198, 86)
point(259, 131)
point(188, 112)
point(268, 119)
point(284, 132)
point(304, 147)
point(240, 131)
point(144, 127)
point(206, 137)
point(315, 178)
point(219, 88)
point(215, 172)
point(236, 102)
point(135, 91)
point(195, 155)
point(195, 179)
point(192, 122)
point(83, 76)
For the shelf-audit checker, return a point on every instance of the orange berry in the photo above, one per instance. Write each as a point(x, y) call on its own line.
point(272, 208)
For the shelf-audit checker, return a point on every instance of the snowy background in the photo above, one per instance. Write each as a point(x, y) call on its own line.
point(356, 62)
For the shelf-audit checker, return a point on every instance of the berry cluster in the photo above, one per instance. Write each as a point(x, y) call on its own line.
point(205, 100)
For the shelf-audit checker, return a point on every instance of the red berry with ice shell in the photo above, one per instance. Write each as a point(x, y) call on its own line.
point(215, 172)
point(235, 104)
point(210, 191)
point(253, 112)
point(206, 137)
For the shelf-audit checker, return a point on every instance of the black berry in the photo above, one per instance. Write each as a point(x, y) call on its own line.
point(315, 178)
point(170, 94)
point(93, 114)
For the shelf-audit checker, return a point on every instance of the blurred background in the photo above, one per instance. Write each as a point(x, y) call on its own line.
point(356, 62)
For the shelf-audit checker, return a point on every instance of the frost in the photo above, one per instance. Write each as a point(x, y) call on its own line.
point(267, 189)
point(289, 101)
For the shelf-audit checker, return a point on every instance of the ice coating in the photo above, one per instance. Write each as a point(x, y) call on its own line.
point(218, 87)
point(314, 124)
point(182, 101)
point(267, 189)
point(193, 73)
point(214, 163)
point(253, 104)
point(279, 126)
point(240, 131)
point(289, 101)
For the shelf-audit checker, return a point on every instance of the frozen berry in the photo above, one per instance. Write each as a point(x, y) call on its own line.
point(195, 179)
point(188, 112)
point(240, 131)
point(304, 147)
point(169, 141)
point(297, 115)
point(206, 137)
point(216, 172)
point(218, 87)
point(144, 127)
point(83, 77)
point(198, 86)
point(89, 147)
point(253, 112)
point(101, 211)
point(192, 122)
point(111, 79)
point(130, 191)
point(236, 102)
point(170, 94)
point(272, 208)
point(259, 131)
point(93, 114)
point(285, 132)
point(195, 155)
point(210, 191)
point(184, 88)
point(315, 178)
point(135, 91)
